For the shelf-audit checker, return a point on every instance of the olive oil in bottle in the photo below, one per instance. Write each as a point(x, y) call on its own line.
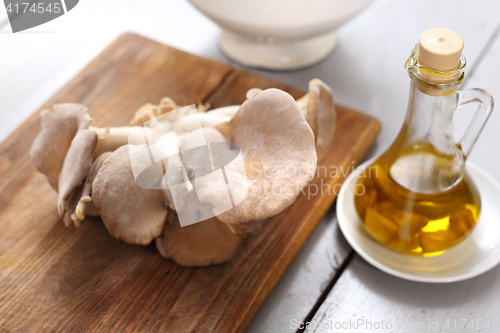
point(412, 210)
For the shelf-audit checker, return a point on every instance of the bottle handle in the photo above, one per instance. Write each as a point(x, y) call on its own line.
point(482, 114)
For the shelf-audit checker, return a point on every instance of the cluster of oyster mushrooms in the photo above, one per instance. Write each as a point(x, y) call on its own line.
point(97, 172)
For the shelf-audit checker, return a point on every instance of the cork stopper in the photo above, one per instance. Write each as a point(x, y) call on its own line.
point(440, 48)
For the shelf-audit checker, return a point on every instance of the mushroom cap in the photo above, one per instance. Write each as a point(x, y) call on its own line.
point(76, 167)
point(129, 212)
point(251, 93)
point(59, 126)
point(205, 243)
point(321, 114)
point(277, 160)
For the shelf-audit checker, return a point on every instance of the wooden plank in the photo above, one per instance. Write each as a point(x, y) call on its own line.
point(305, 280)
point(365, 293)
point(54, 278)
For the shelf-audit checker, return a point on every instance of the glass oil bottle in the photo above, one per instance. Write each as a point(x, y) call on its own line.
point(418, 198)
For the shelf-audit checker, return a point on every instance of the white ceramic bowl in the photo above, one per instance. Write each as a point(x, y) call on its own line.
point(279, 34)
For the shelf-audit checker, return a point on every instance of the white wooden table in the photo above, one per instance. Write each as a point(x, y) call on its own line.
point(327, 282)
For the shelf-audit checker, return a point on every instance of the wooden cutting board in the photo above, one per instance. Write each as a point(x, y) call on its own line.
point(59, 279)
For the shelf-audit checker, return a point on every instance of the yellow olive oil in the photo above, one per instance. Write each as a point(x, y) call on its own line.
point(417, 201)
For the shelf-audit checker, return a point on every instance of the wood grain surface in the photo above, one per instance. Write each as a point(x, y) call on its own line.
point(57, 279)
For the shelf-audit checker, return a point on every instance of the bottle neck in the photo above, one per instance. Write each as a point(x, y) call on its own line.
point(429, 120)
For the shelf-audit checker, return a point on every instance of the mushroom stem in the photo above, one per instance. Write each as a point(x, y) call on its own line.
point(111, 138)
point(84, 208)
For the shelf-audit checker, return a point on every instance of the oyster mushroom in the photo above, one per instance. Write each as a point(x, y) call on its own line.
point(319, 109)
point(205, 243)
point(278, 158)
point(186, 178)
point(75, 169)
point(60, 123)
point(129, 212)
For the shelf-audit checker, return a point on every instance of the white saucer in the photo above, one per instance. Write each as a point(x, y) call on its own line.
point(477, 254)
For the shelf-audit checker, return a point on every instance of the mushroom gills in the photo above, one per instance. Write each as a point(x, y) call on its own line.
point(85, 206)
point(318, 108)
